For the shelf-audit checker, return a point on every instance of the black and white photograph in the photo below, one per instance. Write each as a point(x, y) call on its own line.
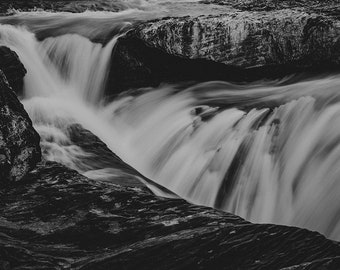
point(169, 134)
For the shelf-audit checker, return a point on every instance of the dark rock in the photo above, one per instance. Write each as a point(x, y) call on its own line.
point(247, 41)
point(74, 6)
point(134, 64)
point(58, 219)
point(19, 142)
point(267, 5)
point(13, 69)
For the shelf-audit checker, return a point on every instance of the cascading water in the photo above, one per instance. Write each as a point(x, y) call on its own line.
point(276, 164)
point(269, 152)
point(65, 80)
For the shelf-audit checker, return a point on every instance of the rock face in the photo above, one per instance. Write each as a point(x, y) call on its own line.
point(13, 69)
point(251, 38)
point(134, 64)
point(19, 142)
point(58, 219)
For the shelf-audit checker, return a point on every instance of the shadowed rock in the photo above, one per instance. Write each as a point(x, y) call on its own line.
point(19, 142)
point(58, 219)
point(246, 41)
point(13, 69)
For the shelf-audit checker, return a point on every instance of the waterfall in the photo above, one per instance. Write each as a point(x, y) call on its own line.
point(65, 81)
point(269, 152)
point(277, 164)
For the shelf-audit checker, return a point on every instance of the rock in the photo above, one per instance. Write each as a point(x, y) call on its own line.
point(134, 64)
point(251, 39)
point(58, 219)
point(248, 39)
point(13, 69)
point(322, 6)
point(19, 142)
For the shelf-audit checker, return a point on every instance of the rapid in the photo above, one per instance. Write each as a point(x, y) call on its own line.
point(267, 151)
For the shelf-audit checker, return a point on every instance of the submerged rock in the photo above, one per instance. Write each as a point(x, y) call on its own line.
point(248, 39)
point(19, 142)
point(58, 219)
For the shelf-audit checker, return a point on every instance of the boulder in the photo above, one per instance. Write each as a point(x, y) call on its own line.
point(245, 40)
point(13, 69)
point(19, 142)
point(58, 219)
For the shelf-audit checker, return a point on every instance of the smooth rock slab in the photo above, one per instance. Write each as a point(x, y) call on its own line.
point(58, 219)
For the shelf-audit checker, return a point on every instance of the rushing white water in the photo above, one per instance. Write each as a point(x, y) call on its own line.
point(269, 152)
point(65, 79)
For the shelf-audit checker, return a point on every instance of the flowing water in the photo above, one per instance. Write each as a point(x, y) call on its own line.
point(267, 151)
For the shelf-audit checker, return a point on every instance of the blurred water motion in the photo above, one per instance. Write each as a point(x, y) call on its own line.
point(269, 152)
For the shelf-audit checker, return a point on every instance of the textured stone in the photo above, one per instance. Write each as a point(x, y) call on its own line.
point(58, 219)
point(248, 39)
point(19, 142)
point(13, 69)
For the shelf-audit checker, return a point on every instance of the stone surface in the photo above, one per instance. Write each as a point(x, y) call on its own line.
point(248, 39)
point(19, 142)
point(6, 6)
point(321, 6)
point(134, 64)
point(58, 219)
point(252, 38)
point(55, 218)
point(13, 69)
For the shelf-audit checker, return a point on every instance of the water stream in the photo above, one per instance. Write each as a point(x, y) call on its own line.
point(267, 151)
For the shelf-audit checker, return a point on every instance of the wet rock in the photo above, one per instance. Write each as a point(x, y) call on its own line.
point(249, 39)
point(13, 69)
point(134, 64)
point(74, 6)
point(19, 142)
point(58, 219)
point(272, 4)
